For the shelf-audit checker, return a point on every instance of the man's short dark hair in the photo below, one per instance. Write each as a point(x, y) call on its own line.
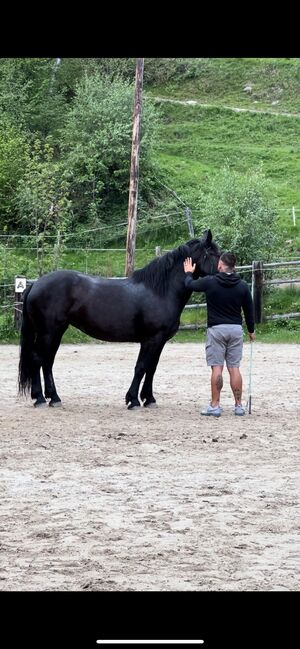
point(229, 259)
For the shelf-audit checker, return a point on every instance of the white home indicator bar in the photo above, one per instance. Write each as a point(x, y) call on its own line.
point(153, 642)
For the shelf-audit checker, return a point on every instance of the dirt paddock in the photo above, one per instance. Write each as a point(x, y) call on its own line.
point(96, 497)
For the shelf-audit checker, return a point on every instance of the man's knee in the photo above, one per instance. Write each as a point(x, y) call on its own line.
point(234, 370)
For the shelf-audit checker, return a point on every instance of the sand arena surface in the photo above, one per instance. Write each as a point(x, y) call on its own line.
point(96, 497)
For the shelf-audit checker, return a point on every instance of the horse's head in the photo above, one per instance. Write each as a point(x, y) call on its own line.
point(205, 254)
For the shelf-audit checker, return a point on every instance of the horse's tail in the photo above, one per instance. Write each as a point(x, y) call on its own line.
point(27, 338)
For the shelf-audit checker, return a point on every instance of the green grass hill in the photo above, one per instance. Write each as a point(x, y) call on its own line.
point(243, 112)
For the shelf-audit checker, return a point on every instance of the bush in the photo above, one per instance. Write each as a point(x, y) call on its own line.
point(239, 210)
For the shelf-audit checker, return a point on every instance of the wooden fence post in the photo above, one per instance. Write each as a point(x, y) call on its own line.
point(134, 169)
point(257, 284)
point(20, 285)
point(188, 214)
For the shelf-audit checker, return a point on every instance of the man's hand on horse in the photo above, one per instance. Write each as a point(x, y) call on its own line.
point(188, 266)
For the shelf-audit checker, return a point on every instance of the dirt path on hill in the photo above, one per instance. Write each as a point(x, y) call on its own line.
point(195, 102)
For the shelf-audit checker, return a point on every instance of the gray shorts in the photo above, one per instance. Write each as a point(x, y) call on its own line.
point(224, 343)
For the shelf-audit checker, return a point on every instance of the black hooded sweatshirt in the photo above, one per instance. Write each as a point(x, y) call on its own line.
point(226, 294)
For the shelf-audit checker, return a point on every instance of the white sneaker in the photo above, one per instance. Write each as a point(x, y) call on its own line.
point(239, 410)
point(215, 412)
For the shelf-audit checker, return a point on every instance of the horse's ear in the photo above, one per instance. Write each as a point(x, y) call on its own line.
point(207, 237)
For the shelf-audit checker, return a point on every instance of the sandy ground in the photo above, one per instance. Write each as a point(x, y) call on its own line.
point(96, 497)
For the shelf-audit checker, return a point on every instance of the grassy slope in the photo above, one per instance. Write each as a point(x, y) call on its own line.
point(275, 83)
point(195, 141)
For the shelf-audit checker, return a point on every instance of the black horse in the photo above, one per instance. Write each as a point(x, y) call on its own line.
point(144, 308)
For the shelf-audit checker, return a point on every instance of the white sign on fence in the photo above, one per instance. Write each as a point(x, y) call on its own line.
point(20, 284)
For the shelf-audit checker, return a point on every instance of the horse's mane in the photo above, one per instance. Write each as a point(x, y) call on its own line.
point(156, 274)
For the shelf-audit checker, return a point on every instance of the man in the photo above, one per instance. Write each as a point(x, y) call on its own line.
point(226, 295)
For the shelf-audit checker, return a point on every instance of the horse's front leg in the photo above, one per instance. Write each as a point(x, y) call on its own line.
point(49, 356)
point(50, 389)
point(131, 396)
point(151, 361)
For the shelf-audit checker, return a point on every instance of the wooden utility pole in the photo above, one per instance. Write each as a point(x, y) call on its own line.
point(257, 290)
point(134, 169)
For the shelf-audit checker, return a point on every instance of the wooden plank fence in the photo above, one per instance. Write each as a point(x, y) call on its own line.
point(258, 282)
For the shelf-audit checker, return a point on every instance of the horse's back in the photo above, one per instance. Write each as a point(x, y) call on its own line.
point(103, 308)
point(62, 283)
point(108, 309)
point(51, 289)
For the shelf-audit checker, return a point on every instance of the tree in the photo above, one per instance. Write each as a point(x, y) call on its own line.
point(35, 93)
point(13, 159)
point(42, 201)
point(97, 146)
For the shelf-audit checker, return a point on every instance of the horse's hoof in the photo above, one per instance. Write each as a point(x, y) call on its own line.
point(40, 404)
point(149, 401)
point(132, 406)
point(55, 404)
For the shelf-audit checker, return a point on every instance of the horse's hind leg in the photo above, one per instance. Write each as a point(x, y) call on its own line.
point(36, 385)
point(51, 347)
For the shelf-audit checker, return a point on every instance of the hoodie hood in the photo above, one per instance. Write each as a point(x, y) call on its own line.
point(228, 279)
